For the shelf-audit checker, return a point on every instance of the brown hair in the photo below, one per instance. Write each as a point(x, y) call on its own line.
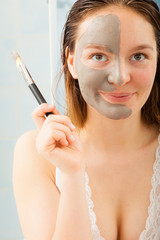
point(76, 106)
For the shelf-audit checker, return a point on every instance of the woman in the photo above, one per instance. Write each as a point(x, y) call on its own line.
point(111, 63)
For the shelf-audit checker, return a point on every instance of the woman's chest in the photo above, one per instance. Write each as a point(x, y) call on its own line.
point(121, 198)
point(116, 222)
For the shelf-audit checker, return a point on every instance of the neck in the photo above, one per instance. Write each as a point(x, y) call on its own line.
point(115, 135)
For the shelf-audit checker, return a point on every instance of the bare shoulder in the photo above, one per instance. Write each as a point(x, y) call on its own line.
point(36, 194)
point(26, 157)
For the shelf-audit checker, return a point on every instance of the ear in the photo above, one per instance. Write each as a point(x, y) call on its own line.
point(71, 63)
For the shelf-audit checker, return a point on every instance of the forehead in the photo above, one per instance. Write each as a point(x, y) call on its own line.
point(133, 27)
point(103, 31)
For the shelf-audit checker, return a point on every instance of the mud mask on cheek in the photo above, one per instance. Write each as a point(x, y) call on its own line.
point(104, 31)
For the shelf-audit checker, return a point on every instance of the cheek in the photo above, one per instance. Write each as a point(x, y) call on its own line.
point(87, 77)
point(144, 79)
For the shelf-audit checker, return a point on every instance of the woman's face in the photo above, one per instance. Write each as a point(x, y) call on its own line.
point(115, 61)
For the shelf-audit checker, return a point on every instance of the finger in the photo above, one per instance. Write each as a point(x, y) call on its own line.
point(47, 143)
point(53, 126)
point(38, 114)
point(55, 111)
point(60, 119)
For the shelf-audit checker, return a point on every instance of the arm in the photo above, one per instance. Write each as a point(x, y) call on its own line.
point(36, 195)
point(73, 221)
point(43, 212)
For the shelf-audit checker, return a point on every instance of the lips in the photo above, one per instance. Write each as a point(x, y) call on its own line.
point(116, 97)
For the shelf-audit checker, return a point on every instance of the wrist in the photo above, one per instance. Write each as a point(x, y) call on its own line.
point(74, 174)
point(75, 179)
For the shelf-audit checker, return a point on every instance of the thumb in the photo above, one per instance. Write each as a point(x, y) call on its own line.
point(76, 144)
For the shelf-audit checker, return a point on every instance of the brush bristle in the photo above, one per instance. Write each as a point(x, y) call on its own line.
point(16, 58)
point(14, 55)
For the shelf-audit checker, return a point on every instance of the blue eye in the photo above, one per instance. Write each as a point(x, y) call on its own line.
point(99, 58)
point(138, 57)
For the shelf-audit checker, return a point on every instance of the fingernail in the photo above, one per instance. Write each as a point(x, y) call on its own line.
point(51, 105)
point(72, 126)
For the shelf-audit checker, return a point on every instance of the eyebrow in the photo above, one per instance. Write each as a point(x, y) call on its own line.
point(141, 47)
point(106, 48)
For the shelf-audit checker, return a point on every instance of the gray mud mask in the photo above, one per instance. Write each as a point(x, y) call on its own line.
point(104, 31)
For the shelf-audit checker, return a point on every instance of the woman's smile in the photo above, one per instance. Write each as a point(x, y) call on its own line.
point(116, 97)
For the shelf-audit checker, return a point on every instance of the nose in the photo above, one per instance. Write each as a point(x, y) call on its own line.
point(120, 74)
point(124, 72)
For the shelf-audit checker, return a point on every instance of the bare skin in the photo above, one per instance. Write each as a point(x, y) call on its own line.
point(118, 155)
point(128, 154)
point(120, 184)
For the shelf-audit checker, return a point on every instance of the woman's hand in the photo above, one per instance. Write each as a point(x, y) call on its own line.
point(57, 140)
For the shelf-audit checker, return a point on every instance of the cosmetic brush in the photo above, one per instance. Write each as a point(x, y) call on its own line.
point(27, 76)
